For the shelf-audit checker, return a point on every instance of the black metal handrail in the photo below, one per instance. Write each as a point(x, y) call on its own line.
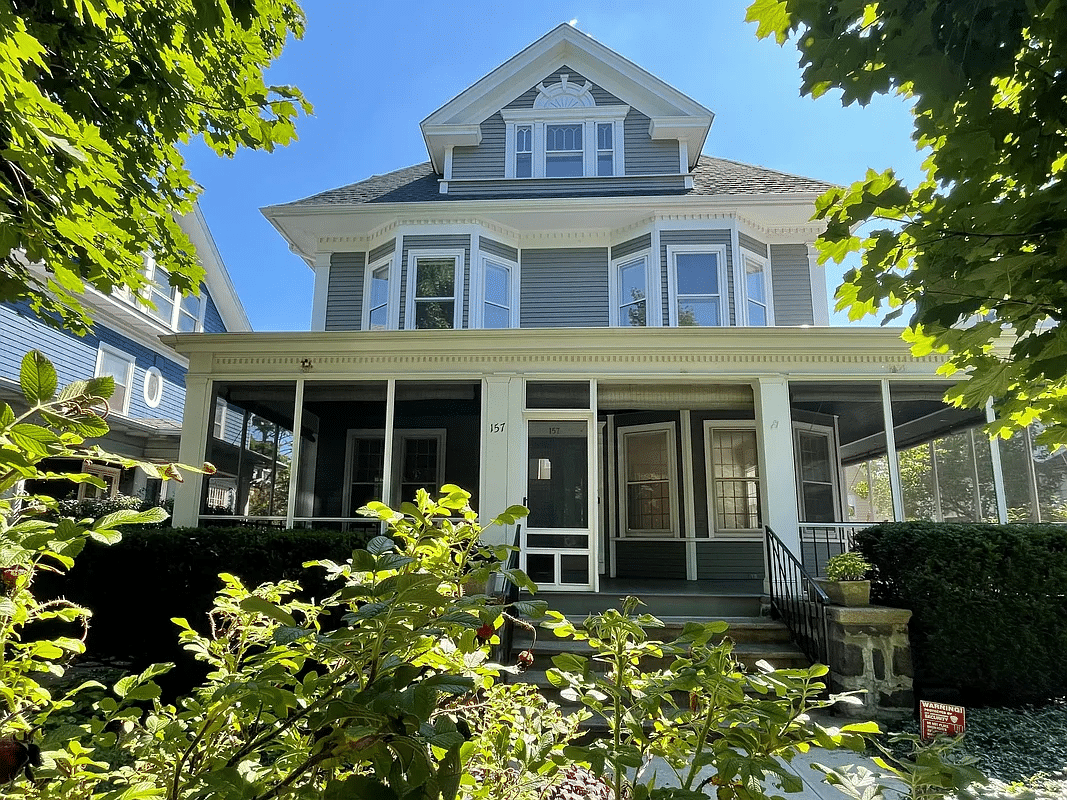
point(797, 599)
point(821, 540)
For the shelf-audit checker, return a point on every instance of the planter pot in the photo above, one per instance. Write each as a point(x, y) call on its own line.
point(847, 593)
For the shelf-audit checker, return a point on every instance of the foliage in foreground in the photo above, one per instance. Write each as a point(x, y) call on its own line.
point(977, 247)
point(96, 96)
point(989, 604)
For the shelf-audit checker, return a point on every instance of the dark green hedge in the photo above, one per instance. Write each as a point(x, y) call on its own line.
point(136, 586)
point(989, 604)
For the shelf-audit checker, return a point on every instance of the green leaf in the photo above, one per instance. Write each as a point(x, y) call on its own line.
point(450, 684)
point(257, 605)
point(130, 517)
point(37, 377)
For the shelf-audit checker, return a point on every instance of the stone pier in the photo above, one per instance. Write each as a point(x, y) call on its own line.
point(870, 650)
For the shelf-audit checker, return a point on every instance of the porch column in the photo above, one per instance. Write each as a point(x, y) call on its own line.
point(198, 402)
point(322, 290)
point(497, 431)
point(774, 422)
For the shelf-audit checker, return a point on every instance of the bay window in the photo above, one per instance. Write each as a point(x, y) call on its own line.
point(435, 290)
point(697, 283)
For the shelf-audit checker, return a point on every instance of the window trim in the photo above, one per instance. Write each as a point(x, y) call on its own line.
point(368, 278)
point(459, 259)
point(652, 310)
point(104, 473)
point(152, 401)
point(587, 116)
point(478, 282)
point(103, 348)
point(675, 532)
point(768, 304)
point(673, 251)
point(733, 534)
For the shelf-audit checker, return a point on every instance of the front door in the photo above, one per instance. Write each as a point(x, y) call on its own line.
point(559, 539)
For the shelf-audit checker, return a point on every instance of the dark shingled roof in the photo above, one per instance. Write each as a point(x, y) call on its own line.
point(420, 184)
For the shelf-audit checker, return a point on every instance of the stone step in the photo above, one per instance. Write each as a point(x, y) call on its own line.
point(741, 629)
point(660, 603)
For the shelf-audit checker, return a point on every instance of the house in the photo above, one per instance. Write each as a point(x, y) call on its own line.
point(572, 307)
point(146, 409)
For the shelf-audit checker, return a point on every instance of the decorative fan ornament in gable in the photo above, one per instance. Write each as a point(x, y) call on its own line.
point(565, 95)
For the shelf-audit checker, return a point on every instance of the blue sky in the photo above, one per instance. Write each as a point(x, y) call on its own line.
point(374, 70)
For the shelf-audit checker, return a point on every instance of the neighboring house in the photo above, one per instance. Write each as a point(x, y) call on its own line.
point(571, 307)
point(146, 409)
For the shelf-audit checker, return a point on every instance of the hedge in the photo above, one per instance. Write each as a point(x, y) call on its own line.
point(989, 605)
point(136, 586)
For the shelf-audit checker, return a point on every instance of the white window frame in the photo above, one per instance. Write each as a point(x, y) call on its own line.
point(218, 428)
point(478, 289)
point(675, 531)
point(829, 435)
point(709, 479)
point(673, 251)
point(588, 117)
point(768, 304)
point(152, 401)
point(652, 311)
point(103, 348)
point(459, 257)
point(390, 482)
point(104, 473)
point(368, 278)
point(175, 298)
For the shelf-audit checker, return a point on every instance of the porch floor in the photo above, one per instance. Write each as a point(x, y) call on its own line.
point(657, 586)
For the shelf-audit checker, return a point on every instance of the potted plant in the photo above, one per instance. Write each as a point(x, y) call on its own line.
point(845, 582)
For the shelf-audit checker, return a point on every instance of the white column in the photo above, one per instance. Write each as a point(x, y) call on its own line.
point(998, 468)
point(497, 434)
point(820, 303)
point(896, 489)
point(198, 402)
point(775, 428)
point(322, 290)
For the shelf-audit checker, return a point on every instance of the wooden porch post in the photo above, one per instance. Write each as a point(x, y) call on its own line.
point(775, 426)
point(198, 407)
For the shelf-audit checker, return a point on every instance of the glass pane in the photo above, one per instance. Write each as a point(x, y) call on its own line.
point(379, 287)
point(574, 569)
point(698, 273)
point(605, 164)
point(737, 505)
point(814, 457)
point(436, 277)
point(562, 394)
point(698, 313)
point(379, 319)
point(523, 139)
point(754, 281)
point(558, 474)
point(563, 137)
point(648, 506)
point(557, 540)
point(541, 567)
point(733, 454)
point(648, 456)
point(757, 314)
point(523, 165)
point(368, 472)
point(434, 314)
point(496, 317)
point(604, 132)
point(818, 502)
point(496, 284)
point(563, 166)
point(117, 367)
point(632, 281)
point(633, 315)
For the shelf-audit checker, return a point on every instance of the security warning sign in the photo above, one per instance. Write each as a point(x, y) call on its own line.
point(940, 718)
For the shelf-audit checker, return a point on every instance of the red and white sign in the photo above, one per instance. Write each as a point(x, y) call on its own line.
point(941, 718)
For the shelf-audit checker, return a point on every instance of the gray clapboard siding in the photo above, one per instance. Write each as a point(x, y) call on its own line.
point(660, 559)
point(564, 288)
point(212, 318)
point(631, 246)
point(791, 285)
point(748, 243)
point(485, 160)
point(715, 237)
point(723, 560)
point(561, 187)
point(381, 251)
point(437, 242)
point(75, 359)
point(645, 155)
point(498, 249)
point(344, 295)
point(601, 96)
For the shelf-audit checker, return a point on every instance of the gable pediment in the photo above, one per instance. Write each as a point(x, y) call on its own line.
point(534, 76)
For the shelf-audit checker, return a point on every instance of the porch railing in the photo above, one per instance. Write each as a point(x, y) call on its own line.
point(820, 540)
point(797, 599)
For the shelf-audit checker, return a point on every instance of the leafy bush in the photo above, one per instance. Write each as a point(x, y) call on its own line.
point(136, 586)
point(850, 566)
point(989, 604)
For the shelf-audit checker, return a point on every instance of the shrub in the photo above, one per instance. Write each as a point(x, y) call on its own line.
point(850, 566)
point(136, 586)
point(989, 604)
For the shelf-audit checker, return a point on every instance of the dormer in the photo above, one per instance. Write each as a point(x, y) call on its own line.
point(565, 108)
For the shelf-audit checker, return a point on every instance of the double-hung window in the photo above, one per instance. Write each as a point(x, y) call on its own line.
point(499, 303)
point(118, 365)
point(630, 284)
point(435, 289)
point(376, 290)
point(180, 312)
point(564, 154)
point(756, 306)
point(734, 479)
point(650, 487)
point(605, 148)
point(524, 151)
point(698, 286)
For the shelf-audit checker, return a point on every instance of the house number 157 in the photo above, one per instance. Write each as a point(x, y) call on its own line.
point(497, 427)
